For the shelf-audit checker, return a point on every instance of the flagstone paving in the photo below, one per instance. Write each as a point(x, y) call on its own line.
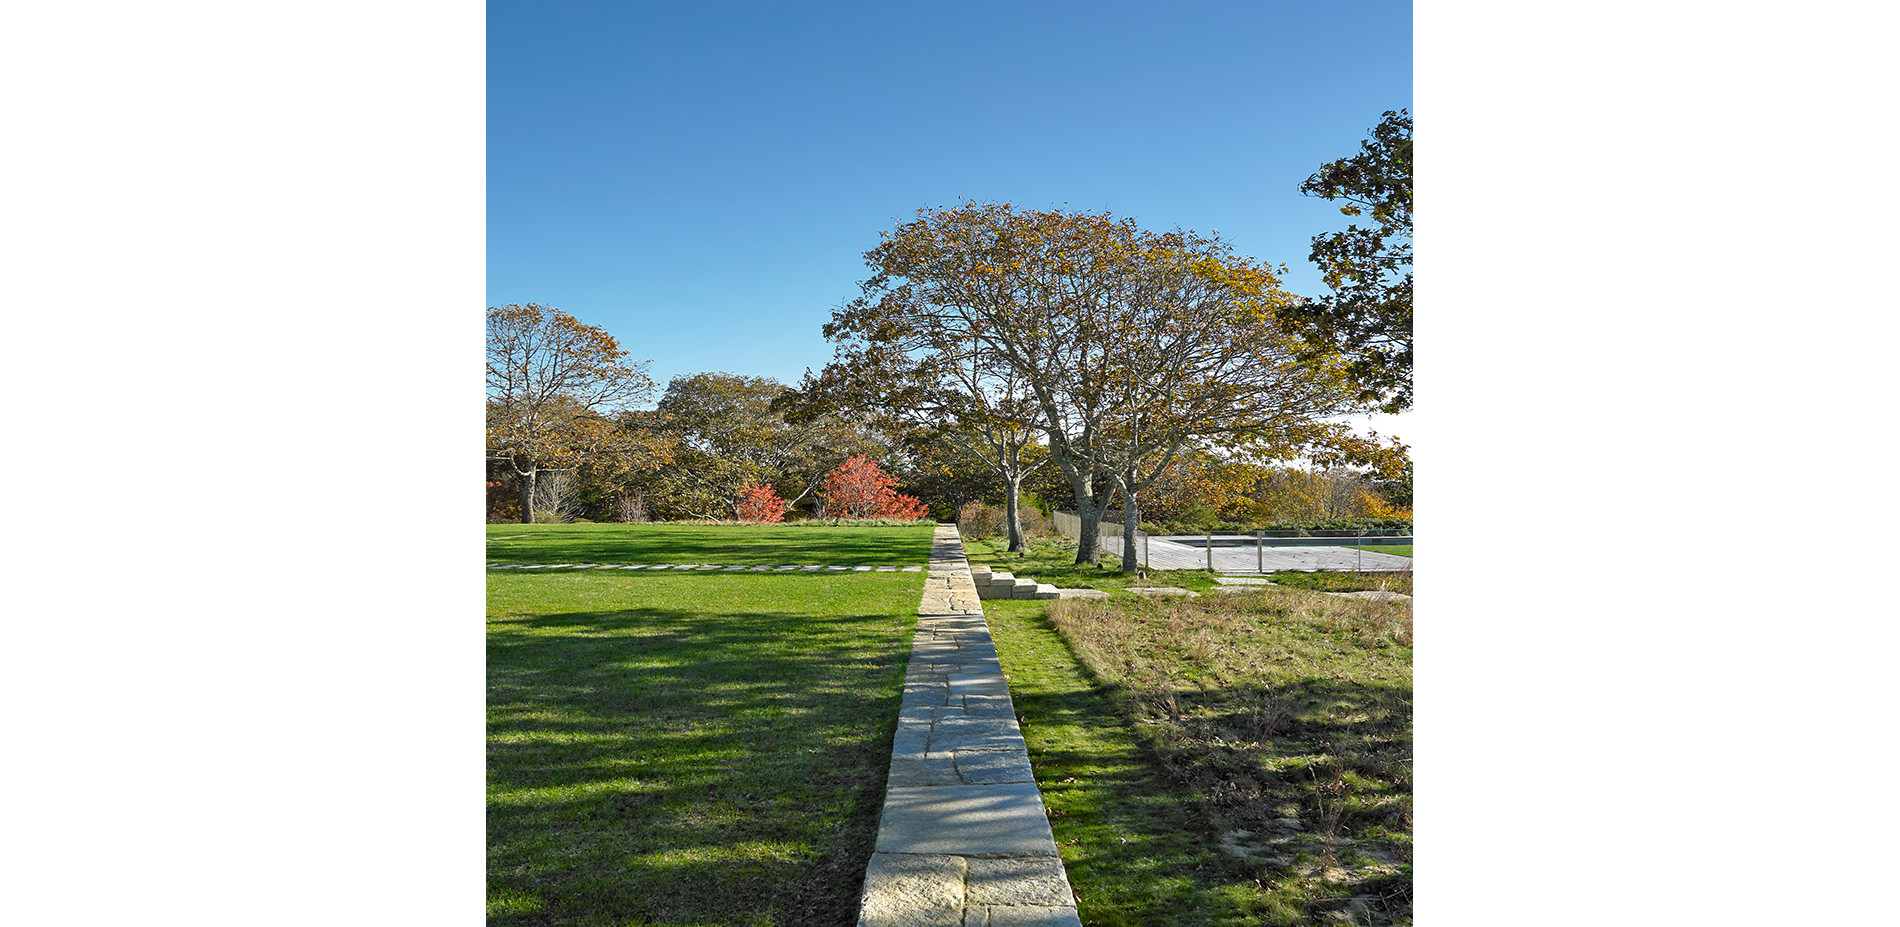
point(964, 838)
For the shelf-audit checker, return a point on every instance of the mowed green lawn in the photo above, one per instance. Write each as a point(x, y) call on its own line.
point(674, 749)
point(750, 545)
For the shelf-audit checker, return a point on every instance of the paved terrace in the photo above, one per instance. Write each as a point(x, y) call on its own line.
point(964, 840)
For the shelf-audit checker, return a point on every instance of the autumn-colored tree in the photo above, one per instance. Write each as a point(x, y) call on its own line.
point(859, 488)
point(760, 503)
point(1368, 316)
point(504, 502)
point(1385, 467)
point(551, 378)
point(1203, 486)
point(1293, 494)
point(1127, 345)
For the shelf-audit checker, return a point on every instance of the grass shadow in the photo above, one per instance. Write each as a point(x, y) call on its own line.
point(1239, 794)
point(716, 764)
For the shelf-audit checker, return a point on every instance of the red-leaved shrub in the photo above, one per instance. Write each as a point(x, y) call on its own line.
point(760, 503)
point(859, 488)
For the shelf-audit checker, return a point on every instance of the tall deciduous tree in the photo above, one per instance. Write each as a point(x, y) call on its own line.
point(921, 341)
point(1127, 344)
point(551, 379)
point(1368, 315)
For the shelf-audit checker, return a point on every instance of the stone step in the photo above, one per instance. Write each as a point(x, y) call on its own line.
point(1016, 587)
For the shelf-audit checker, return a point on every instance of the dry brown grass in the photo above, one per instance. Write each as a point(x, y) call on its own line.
point(1286, 715)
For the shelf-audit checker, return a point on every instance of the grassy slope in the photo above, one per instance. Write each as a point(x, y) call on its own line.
point(690, 749)
point(751, 545)
point(1229, 714)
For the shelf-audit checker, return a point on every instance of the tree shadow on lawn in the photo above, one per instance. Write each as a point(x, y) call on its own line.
point(1122, 826)
point(662, 764)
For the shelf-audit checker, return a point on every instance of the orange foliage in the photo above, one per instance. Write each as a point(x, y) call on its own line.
point(859, 488)
point(761, 504)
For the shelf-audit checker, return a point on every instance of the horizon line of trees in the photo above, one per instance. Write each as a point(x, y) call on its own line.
point(995, 350)
point(731, 447)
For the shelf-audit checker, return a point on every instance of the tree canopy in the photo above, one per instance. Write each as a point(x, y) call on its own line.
point(728, 434)
point(1119, 345)
point(552, 381)
point(922, 388)
point(1368, 315)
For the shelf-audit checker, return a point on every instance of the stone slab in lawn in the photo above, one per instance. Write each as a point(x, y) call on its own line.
point(987, 820)
point(902, 890)
point(1374, 595)
point(981, 915)
point(1033, 880)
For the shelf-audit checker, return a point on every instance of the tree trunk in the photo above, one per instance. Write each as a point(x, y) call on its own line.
point(1082, 482)
point(527, 496)
point(1013, 487)
point(1131, 518)
point(1088, 545)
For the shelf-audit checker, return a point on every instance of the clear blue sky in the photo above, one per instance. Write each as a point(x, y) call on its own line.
point(702, 179)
